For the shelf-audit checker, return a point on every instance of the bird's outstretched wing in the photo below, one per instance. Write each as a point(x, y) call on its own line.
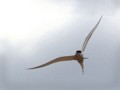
point(64, 58)
point(89, 35)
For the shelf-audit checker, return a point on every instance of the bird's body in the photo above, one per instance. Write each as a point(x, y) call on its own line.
point(80, 58)
point(77, 57)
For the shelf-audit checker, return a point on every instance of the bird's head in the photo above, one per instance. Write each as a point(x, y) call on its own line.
point(78, 51)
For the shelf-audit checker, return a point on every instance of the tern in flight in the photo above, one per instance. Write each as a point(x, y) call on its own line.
point(77, 57)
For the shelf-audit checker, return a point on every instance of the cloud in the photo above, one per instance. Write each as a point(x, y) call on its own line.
point(93, 7)
point(64, 39)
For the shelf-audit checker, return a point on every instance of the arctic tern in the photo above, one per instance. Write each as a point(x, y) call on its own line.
point(77, 57)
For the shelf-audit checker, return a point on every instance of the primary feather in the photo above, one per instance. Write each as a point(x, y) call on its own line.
point(89, 35)
point(64, 58)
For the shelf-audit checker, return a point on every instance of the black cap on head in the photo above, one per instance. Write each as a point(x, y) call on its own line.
point(78, 51)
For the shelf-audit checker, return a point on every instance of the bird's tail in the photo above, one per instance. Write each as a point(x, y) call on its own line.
point(82, 66)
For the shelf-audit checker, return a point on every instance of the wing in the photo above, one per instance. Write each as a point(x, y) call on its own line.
point(89, 35)
point(65, 58)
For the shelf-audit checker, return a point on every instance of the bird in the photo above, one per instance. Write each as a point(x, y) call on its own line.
point(79, 57)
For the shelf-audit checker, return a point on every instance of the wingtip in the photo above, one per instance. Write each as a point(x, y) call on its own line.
point(100, 19)
point(28, 68)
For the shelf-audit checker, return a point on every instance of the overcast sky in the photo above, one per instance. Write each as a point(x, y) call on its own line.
point(33, 32)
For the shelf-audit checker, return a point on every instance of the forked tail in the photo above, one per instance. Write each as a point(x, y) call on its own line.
point(82, 65)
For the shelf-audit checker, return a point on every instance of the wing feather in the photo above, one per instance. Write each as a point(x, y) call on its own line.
point(65, 58)
point(89, 35)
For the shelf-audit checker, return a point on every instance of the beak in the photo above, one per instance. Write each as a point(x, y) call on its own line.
point(85, 58)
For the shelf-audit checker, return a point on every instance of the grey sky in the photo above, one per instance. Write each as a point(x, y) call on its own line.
point(34, 32)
